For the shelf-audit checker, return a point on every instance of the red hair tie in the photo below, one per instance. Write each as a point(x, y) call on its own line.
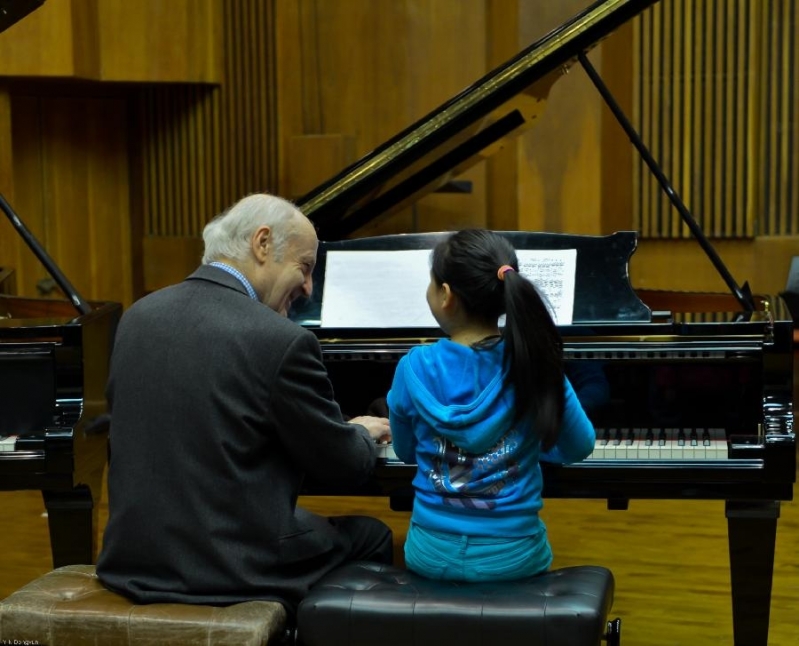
point(501, 271)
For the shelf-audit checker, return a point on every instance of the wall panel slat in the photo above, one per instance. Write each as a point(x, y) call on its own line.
point(716, 92)
point(204, 147)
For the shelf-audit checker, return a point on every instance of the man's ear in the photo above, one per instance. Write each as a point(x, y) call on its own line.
point(260, 242)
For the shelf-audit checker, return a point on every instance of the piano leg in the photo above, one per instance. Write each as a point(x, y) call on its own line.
point(752, 528)
point(71, 519)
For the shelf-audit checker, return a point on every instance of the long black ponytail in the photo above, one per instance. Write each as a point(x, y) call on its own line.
point(482, 269)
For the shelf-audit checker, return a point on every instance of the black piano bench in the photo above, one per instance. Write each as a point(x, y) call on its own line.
point(364, 604)
point(69, 606)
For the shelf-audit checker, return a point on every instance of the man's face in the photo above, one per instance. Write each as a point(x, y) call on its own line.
point(291, 275)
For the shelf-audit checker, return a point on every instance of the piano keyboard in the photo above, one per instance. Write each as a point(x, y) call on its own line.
point(641, 444)
point(8, 442)
point(660, 444)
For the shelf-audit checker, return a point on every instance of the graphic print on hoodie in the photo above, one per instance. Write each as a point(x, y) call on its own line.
point(469, 475)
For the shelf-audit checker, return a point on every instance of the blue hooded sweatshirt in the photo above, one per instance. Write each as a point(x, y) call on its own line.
point(478, 474)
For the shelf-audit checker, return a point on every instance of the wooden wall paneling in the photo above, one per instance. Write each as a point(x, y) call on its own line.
point(86, 192)
point(8, 235)
point(559, 180)
point(205, 147)
point(29, 202)
point(702, 76)
point(136, 199)
point(316, 158)
point(737, 168)
point(692, 44)
point(616, 167)
point(170, 259)
point(779, 74)
point(170, 149)
point(65, 186)
point(769, 117)
point(726, 145)
point(289, 76)
point(502, 170)
point(108, 200)
point(695, 100)
point(682, 265)
point(368, 70)
point(230, 118)
point(641, 105)
point(745, 190)
point(246, 123)
point(156, 41)
point(447, 45)
point(41, 44)
point(114, 40)
point(86, 34)
point(666, 100)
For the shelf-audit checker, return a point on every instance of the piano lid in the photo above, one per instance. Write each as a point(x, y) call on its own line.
point(463, 131)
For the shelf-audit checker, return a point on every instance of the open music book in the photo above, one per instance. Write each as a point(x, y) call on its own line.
point(384, 289)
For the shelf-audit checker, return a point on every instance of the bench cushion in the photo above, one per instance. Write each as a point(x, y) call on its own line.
point(363, 604)
point(69, 606)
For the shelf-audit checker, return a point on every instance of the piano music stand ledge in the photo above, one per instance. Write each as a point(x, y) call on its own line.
point(70, 606)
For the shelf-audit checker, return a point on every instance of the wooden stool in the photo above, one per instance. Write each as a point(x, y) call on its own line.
point(363, 604)
point(69, 606)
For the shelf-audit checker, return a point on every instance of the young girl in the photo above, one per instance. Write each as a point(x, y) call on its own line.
point(477, 411)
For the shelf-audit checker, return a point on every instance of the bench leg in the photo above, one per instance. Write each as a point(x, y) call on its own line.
point(70, 516)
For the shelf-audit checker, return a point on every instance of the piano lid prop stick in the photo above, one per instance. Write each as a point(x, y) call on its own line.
point(77, 300)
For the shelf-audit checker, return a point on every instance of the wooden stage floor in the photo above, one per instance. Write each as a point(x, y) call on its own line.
point(669, 557)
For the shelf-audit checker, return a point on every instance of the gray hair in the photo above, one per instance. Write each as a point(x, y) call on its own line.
point(228, 234)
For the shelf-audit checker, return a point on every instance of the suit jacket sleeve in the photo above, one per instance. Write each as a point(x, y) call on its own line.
point(309, 420)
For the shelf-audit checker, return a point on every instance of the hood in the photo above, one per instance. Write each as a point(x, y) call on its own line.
point(460, 392)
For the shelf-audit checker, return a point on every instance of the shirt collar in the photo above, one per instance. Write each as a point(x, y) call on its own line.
point(242, 278)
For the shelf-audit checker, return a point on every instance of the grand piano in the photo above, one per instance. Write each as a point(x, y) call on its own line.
point(54, 357)
point(699, 386)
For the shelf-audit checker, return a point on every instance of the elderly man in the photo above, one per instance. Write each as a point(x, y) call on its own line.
point(220, 404)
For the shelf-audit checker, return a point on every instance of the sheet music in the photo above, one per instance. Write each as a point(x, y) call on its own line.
point(553, 271)
point(387, 289)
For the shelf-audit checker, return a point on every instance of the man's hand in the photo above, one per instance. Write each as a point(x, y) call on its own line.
point(378, 427)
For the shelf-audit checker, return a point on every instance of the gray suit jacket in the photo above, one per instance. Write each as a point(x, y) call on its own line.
point(219, 406)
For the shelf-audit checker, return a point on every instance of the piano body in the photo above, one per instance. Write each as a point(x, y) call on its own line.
point(54, 358)
point(699, 386)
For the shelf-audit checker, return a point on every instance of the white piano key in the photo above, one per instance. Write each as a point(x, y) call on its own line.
point(717, 450)
point(8, 442)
